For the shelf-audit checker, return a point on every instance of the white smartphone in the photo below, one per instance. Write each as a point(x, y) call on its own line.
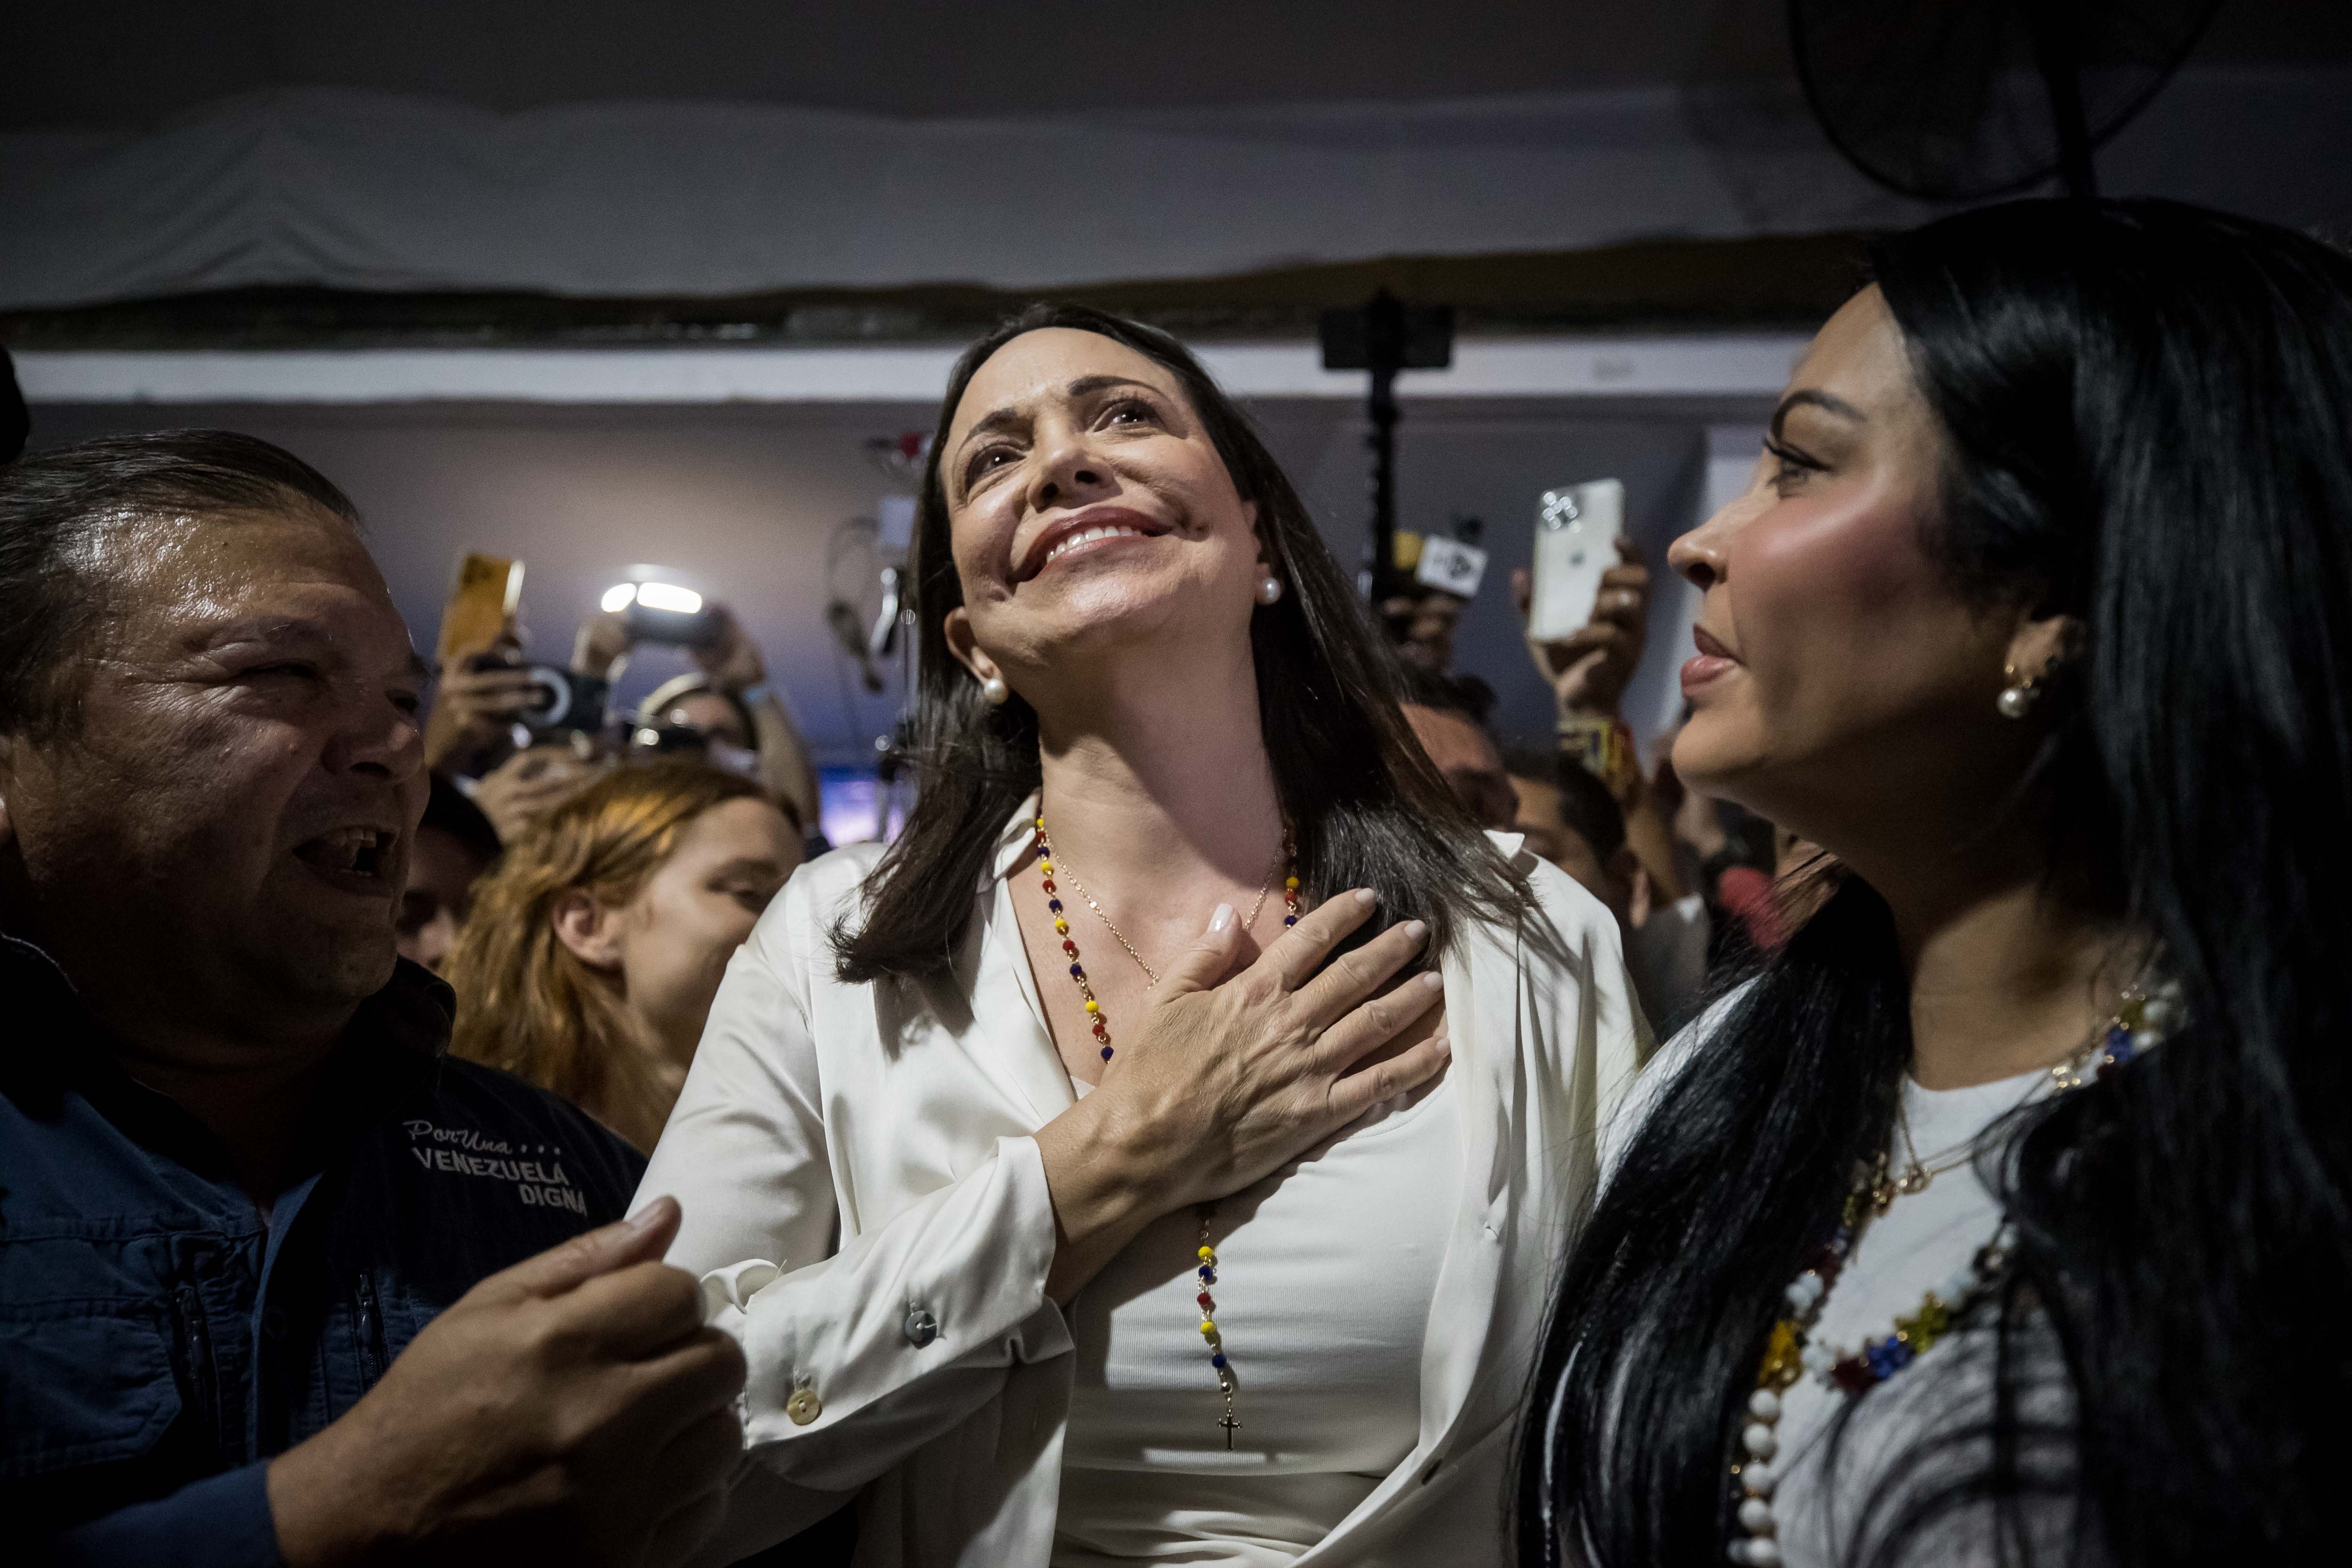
point(1576, 541)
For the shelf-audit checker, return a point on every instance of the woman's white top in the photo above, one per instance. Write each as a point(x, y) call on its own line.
point(1920, 1243)
point(1325, 1270)
point(866, 1207)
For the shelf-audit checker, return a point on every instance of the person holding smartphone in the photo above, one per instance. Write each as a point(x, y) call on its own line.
point(727, 701)
point(1072, 1202)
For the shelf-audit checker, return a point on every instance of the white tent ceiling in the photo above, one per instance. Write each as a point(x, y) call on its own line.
point(110, 64)
point(623, 147)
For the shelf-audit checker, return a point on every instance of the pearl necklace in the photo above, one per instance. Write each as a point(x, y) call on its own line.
point(1207, 1251)
point(1790, 1352)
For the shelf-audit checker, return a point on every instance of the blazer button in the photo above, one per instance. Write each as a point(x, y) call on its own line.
point(804, 1406)
point(921, 1328)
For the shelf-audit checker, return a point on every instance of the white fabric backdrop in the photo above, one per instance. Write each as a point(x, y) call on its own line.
point(369, 191)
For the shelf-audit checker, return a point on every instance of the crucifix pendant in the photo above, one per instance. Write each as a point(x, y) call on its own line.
point(1231, 1426)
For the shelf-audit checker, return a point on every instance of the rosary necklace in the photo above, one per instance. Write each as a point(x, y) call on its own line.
point(1281, 856)
point(1207, 1251)
point(1791, 1352)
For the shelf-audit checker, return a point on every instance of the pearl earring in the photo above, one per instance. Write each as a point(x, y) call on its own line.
point(1269, 590)
point(2017, 697)
point(995, 690)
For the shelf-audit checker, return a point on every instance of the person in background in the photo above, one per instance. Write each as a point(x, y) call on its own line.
point(1728, 858)
point(598, 942)
point(279, 1283)
point(455, 845)
point(471, 726)
point(1569, 817)
point(474, 737)
point(744, 722)
point(1451, 732)
point(534, 779)
point(1420, 623)
point(1587, 672)
point(2005, 1215)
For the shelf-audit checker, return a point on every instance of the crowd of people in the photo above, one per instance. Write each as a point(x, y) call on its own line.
point(1228, 1124)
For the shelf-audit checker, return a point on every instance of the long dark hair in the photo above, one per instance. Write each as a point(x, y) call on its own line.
point(1368, 809)
point(2147, 420)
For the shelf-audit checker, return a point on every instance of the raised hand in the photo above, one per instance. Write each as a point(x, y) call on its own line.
point(1589, 669)
point(475, 708)
point(734, 661)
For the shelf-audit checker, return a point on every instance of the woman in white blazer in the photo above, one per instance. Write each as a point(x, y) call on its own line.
point(1063, 1233)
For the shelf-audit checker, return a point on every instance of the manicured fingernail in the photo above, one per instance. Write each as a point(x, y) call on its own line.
point(1365, 896)
point(1445, 1046)
point(1219, 921)
point(1416, 929)
point(1432, 981)
point(652, 1215)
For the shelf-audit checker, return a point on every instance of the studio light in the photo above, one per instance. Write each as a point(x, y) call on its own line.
point(653, 595)
point(667, 596)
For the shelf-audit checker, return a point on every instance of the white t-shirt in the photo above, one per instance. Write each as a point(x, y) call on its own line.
point(1324, 1273)
point(1921, 1241)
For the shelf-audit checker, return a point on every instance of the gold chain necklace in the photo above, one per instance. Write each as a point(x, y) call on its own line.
point(1101, 1026)
point(1918, 1174)
point(1149, 974)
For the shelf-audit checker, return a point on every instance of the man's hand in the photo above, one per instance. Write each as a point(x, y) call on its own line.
point(475, 708)
point(733, 662)
point(570, 1409)
point(1588, 669)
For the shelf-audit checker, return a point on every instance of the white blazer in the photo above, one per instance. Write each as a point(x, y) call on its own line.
point(866, 1207)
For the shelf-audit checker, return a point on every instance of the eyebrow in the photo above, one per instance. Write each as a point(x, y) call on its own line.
point(1008, 417)
point(1828, 403)
point(302, 632)
point(749, 865)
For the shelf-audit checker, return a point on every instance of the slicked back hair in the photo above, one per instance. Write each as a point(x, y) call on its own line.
point(56, 505)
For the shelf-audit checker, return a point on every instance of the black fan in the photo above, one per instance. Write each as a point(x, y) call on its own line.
point(1962, 100)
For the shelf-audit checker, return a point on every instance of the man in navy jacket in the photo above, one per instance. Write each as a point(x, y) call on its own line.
point(279, 1282)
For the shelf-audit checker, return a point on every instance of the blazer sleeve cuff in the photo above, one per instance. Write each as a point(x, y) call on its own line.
point(856, 1361)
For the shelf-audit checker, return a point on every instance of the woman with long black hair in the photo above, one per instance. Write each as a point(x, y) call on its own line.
point(2005, 1215)
point(1063, 1231)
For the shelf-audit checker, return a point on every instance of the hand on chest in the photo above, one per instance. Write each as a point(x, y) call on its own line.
point(1096, 975)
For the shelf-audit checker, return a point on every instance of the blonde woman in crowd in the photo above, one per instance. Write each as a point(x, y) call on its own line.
point(597, 943)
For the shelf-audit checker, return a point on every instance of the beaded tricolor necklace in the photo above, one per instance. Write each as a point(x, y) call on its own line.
point(1100, 1027)
point(1791, 1352)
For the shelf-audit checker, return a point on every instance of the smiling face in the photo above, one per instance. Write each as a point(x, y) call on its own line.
point(1841, 684)
point(234, 811)
point(1089, 511)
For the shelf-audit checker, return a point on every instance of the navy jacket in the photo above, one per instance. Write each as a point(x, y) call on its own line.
point(159, 1340)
